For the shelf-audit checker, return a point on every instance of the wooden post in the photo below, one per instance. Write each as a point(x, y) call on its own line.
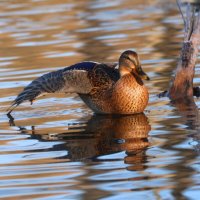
point(182, 84)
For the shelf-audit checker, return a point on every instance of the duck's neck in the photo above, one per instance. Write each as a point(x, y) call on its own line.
point(137, 78)
point(124, 72)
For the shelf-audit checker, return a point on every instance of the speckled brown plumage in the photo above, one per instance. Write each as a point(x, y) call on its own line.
point(105, 88)
point(126, 96)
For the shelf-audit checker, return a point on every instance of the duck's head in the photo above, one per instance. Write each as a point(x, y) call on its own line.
point(129, 62)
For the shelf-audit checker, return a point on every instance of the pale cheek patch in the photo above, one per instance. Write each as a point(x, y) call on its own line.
point(124, 72)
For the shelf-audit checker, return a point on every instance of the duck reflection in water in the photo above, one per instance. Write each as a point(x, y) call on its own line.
point(103, 135)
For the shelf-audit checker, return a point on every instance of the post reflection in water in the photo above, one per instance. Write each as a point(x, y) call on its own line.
point(188, 110)
point(103, 135)
point(183, 169)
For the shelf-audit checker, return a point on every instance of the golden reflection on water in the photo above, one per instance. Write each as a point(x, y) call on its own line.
point(57, 148)
point(101, 135)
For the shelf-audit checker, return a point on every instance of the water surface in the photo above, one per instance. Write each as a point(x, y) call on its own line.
point(57, 148)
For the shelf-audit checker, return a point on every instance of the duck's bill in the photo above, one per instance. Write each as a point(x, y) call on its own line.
point(142, 74)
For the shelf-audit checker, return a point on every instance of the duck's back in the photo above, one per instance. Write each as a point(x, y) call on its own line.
point(101, 76)
point(87, 66)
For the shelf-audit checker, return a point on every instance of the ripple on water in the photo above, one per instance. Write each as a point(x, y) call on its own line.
point(57, 148)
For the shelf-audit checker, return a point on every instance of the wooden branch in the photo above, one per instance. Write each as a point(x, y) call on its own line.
point(181, 85)
point(180, 10)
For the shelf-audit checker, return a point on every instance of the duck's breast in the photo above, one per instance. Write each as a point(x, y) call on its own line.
point(129, 96)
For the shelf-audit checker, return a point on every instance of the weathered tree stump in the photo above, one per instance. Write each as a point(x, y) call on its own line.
point(181, 86)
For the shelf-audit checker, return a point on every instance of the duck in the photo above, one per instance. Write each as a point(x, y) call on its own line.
point(106, 88)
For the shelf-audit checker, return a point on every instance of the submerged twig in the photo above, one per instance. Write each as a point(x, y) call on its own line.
point(11, 119)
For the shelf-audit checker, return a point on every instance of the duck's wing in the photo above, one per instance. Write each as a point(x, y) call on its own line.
point(103, 76)
point(73, 79)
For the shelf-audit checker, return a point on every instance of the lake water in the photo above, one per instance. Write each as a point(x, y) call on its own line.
point(56, 148)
